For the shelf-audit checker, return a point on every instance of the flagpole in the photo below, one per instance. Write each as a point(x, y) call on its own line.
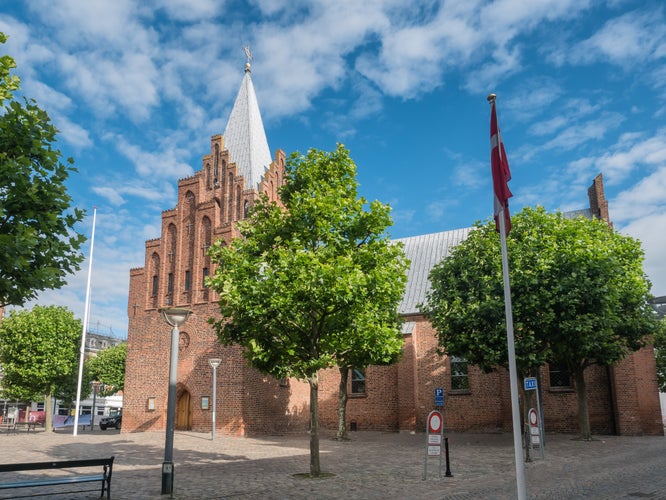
point(85, 327)
point(513, 375)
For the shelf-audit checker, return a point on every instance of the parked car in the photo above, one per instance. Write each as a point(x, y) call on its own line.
point(115, 419)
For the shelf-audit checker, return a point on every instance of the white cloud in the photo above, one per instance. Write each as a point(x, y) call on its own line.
point(631, 151)
point(626, 40)
point(651, 231)
point(646, 198)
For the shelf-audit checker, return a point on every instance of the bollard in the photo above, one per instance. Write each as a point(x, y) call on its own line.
point(448, 464)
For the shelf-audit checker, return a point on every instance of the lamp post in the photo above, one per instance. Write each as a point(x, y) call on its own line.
point(214, 362)
point(95, 385)
point(175, 317)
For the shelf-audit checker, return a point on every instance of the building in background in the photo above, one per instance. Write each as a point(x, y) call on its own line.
point(237, 169)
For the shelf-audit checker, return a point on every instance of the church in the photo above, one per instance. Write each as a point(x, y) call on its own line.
point(622, 399)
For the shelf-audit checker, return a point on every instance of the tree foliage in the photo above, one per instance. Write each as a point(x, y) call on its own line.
point(578, 291)
point(314, 280)
point(108, 368)
point(39, 244)
point(39, 352)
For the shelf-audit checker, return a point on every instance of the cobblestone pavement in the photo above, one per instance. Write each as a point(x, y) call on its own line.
point(373, 465)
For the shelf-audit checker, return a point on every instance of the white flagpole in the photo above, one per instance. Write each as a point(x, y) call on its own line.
point(513, 375)
point(85, 327)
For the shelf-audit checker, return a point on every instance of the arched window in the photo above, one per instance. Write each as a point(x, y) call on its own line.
point(246, 209)
point(238, 202)
point(230, 197)
point(216, 160)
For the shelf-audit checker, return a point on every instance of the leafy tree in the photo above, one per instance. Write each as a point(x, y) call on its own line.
point(39, 352)
point(39, 244)
point(660, 353)
point(108, 368)
point(296, 290)
point(375, 340)
point(579, 296)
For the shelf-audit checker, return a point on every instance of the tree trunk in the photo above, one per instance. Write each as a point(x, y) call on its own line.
point(342, 405)
point(48, 410)
point(315, 467)
point(583, 414)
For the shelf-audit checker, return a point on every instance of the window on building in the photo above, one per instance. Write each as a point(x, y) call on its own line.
point(156, 282)
point(559, 375)
point(204, 275)
point(170, 284)
point(357, 381)
point(188, 281)
point(459, 375)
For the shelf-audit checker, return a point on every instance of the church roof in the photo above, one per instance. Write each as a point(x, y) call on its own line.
point(245, 137)
point(424, 252)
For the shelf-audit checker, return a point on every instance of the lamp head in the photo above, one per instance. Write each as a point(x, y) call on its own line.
point(215, 362)
point(175, 316)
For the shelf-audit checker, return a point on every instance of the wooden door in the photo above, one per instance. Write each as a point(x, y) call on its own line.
point(183, 412)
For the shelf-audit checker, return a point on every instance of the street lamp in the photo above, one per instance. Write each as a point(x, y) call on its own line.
point(175, 317)
point(95, 385)
point(214, 362)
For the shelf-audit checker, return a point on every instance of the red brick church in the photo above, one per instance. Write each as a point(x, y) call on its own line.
point(622, 400)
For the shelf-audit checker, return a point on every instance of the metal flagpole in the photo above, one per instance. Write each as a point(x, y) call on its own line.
point(85, 325)
point(513, 375)
point(501, 175)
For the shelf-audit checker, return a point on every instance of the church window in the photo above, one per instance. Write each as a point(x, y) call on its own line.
point(230, 197)
point(357, 381)
point(170, 284)
point(187, 280)
point(238, 203)
point(216, 170)
point(459, 375)
point(246, 209)
point(559, 375)
point(156, 281)
point(204, 275)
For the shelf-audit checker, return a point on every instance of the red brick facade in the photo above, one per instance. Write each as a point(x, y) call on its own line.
point(623, 399)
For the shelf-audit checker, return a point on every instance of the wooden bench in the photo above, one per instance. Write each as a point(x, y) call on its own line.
point(28, 426)
point(8, 425)
point(72, 476)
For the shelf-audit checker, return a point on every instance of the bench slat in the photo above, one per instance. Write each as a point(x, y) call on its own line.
point(52, 482)
point(62, 464)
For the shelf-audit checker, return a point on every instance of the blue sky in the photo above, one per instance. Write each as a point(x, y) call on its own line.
point(138, 87)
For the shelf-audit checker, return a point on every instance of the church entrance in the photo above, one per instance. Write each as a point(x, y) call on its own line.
point(184, 412)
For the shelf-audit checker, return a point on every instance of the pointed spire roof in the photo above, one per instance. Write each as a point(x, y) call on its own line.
point(245, 137)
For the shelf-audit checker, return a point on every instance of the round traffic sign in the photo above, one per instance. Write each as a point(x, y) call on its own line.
point(533, 416)
point(435, 422)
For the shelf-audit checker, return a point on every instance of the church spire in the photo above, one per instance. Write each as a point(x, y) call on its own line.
point(244, 136)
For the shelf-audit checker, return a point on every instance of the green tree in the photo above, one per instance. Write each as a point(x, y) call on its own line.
point(578, 290)
point(108, 368)
point(301, 279)
point(660, 353)
point(39, 352)
point(39, 244)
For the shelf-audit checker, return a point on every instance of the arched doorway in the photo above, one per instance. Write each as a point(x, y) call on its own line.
point(183, 412)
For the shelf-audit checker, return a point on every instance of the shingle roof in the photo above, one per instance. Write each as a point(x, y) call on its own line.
point(245, 137)
point(424, 252)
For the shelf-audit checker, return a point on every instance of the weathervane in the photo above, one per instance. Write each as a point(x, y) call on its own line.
point(248, 54)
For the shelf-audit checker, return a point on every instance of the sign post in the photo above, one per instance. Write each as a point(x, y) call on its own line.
point(434, 431)
point(535, 427)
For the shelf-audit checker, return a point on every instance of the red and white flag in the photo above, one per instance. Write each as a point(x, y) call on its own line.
point(501, 173)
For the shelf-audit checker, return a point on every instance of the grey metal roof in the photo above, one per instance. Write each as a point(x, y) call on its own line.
point(424, 252)
point(245, 137)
